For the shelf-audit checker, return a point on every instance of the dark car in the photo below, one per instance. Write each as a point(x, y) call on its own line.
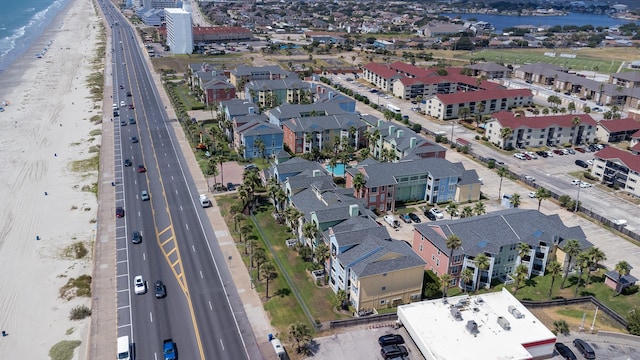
point(119, 212)
point(581, 164)
point(116, 114)
point(414, 218)
point(131, 106)
point(159, 289)
point(136, 238)
point(132, 121)
point(127, 162)
point(430, 216)
point(565, 352)
point(123, 123)
point(121, 87)
point(585, 349)
point(392, 351)
point(141, 169)
point(134, 139)
point(230, 186)
point(128, 93)
point(390, 339)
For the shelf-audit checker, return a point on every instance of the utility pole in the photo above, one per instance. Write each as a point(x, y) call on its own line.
point(578, 198)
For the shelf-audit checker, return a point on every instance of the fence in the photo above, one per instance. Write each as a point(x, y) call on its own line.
point(362, 320)
point(604, 308)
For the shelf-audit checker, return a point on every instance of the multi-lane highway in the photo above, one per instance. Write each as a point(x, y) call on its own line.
point(201, 312)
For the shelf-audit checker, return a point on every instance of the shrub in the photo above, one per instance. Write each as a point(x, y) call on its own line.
point(79, 312)
point(63, 350)
point(477, 137)
point(76, 250)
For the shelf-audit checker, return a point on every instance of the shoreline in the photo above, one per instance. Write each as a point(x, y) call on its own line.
point(48, 206)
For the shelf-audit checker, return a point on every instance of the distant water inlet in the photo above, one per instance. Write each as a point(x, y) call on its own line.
point(338, 171)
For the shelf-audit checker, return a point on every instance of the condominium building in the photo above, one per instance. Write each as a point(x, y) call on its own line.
point(179, 30)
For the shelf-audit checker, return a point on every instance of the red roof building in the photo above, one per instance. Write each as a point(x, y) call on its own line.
point(448, 106)
point(618, 168)
point(617, 130)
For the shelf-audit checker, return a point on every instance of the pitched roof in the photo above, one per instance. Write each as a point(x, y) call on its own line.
point(487, 233)
point(469, 96)
point(488, 66)
point(508, 119)
point(629, 76)
point(379, 174)
point(383, 256)
point(622, 157)
point(410, 69)
point(381, 70)
point(257, 128)
point(616, 125)
point(321, 123)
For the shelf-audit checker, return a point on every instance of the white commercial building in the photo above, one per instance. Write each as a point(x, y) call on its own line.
point(489, 326)
point(179, 30)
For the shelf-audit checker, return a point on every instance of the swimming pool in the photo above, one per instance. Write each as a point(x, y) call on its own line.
point(338, 171)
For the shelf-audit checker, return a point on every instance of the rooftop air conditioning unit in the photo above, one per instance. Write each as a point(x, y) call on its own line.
point(504, 323)
point(472, 327)
point(515, 312)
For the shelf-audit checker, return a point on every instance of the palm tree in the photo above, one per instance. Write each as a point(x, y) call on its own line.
point(583, 261)
point(446, 280)
point(479, 208)
point(515, 200)
point(333, 162)
point(479, 111)
point(260, 257)
point(554, 268)
point(463, 113)
point(467, 211)
point(596, 255)
point(505, 132)
point(466, 276)
point(453, 243)
point(622, 268)
point(482, 263)
point(301, 334)
point(309, 231)
point(502, 172)
point(244, 231)
point(269, 272)
point(452, 209)
point(358, 184)
point(521, 274)
point(575, 123)
point(523, 250)
point(571, 249)
point(542, 194)
point(236, 212)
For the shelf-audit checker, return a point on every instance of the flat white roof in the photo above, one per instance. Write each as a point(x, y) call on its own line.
point(439, 335)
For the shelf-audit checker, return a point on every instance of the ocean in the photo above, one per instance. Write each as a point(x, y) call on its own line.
point(21, 23)
point(501, 22)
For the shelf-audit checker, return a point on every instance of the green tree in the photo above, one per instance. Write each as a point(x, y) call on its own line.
point(244, 231)
point(309, 231)
point(561, 327)
point(453, 243)
point(571, 249)
point(446, 280)
point(482, 263)
point(301, 334)
point(521, 275)
point(463, 113)
point(466, 276)
point(268, 271)
point(452, 209)
point(523, 251)
point(479, 208)
point(542, 194)
point(515, 200)
point(502, 172)
point(359, 183)
point(505, 133)
point(596, 255)
point(622, 268)
point(467, 211)
point(582, 262)
point(554, 268)
point(342, 297)
point(633, 322)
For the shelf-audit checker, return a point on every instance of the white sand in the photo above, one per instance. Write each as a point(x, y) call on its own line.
point(49, 113)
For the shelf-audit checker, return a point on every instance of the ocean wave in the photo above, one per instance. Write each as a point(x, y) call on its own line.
point(30, 9)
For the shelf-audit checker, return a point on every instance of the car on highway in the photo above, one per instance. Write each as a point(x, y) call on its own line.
point(119, 212)
point(437, 213)
point(529, 178)
point(141, 169)
point(414, 218)
point(136, 237)
point(390, 339)
point(122, 103)
point(128, 93)
point(159, 289)
point(139, 286)
point(121, 87)
point(132, 121)
point(127, 162)
point(123, 122)
point(134, 139)
point(581, 163)
point(144, 195)
point(564, 351)
point(131, 106)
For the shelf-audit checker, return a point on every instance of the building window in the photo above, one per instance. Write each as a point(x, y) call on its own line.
point(420, 247)
point(433, 257)
point(438, 262)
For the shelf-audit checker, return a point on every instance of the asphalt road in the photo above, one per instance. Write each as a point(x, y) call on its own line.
point(200, 310)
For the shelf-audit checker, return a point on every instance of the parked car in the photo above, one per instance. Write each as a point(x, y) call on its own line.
point(585, 349)
point(393, 351)
point(119, 212)
point(532, 194)
point(139, 285)
point(529, 178)
point(390, 339)
point(581, 163)
point(136, 237)
point(564, 351)
point(414, 218)
point(519, 156)
point(590, 162)
point(405, 218)
point(575, 182)
point(430, 215)
point(230, 186)
point(437, 213)
point(585, 185)
point(571, 151)
point(579, 149)
point(159, 289)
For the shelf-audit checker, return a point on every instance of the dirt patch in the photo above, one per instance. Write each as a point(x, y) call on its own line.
point(572, 314)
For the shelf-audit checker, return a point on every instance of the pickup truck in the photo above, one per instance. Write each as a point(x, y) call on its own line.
point(169, 350)
point(204, 201)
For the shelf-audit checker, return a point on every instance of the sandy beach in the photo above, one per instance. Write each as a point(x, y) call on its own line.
point(46, 204)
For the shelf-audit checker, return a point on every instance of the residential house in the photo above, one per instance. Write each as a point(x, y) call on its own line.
point(432, 180)
point(402, 141)
point(290, 168)
point(617, 168)
point(210, 84)
point(507, 131)
point(232, 110)
point(302, 134)
point(271, 93)
point(257, 139)
point(616, 130)
point(244, 74)
point(614, 280)
point(496, 235)
point(447, 106)
point(285, 112)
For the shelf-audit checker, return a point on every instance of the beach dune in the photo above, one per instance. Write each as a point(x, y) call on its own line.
point(47, 142)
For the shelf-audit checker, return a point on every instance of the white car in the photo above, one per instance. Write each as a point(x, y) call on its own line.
point(585, 185)
point(620, 222)
point(122, 103)
point(550, 153)
point(437, 213)
point(139, 285)
point(590, 162)
point(532, 194)
point(529, 178)
point(519, 156)
point(575, 182)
